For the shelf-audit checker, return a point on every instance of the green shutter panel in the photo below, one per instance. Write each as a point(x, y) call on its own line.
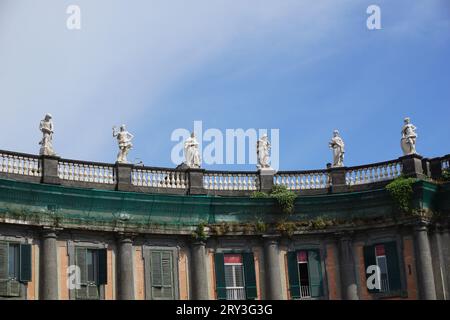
point(3, 260)
point(156, 274)
point(369, 260)
point(392, 266)
point(249, 276)
point(219, 266)
point(102, 267)
point(167, 275)
point(294, 281)
point(81, 263)
point(315, 273)
point(25, 262)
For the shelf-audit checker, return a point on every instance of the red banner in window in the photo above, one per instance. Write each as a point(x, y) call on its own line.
point(302, 256)
point(379, 250)
point(232, 258)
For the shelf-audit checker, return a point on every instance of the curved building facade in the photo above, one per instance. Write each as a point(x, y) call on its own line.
point(81, 230)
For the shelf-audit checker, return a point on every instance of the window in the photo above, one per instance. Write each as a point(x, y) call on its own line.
point(15, 267)
point(385, 256)
point(93, 272)
point(305, 274)
point(235, 276)
point(162, 275)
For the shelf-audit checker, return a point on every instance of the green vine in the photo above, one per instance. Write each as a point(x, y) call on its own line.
point(284, 197)
point(401, 192)
point(446, 175)
point(200, 233)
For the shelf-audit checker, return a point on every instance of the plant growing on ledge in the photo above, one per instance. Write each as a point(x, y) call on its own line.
point(200, 233)
point(446, 175)
point(284, 197)
point(401, 192)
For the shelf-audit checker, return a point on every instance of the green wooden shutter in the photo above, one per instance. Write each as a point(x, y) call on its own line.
point(156, 274)
point(25, 263)
point(167, 275)
point(392, 266)
point(369, 260)
point(3, 260)
point(219, 265)
point(315, 273)
point(102, 267)
point(81, 263)
point(249, 276)
point(294, 281)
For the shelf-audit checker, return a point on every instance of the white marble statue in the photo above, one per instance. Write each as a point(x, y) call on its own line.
point(191, 152)
point(409, 136)
point(338, 147)
point(46, 127)
point(262, 151)
point(124, 141)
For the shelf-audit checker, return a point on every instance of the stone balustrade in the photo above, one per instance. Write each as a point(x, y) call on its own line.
point(20, 164)
point(159, 178)
point(135, 178)
point(376, 172)
point(218, 180)
point(303, 180)
point(73, 170)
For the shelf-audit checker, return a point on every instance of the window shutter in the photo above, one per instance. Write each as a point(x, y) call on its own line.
point(25, 263)
point(156, 274)
point(315, 273)
point(3, 260)
point(219, 266)
point(102, 267)
point(249, 276)
point(294, 281)
point(81, 263)
point(393, 266)
point(369, 260)
point(92, 292)
point(167, 275)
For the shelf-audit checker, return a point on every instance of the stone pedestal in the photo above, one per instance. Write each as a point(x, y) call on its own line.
point(337, 177)
point(196, 181)
point(272, 270)
point(427, 289)
point(412, 166)
point(199, 276)
point(125, 269)
point(48, 278)
point(266, 179)
point(49, 167)
point(123, 176)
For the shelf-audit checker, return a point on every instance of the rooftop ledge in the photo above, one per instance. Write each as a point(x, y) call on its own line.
point(143, 179)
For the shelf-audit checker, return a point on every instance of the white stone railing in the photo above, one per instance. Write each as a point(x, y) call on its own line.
point(22, 164)
point(302, 180)
point(373, 173)
point(159, 178)
point(245, 181)
point(73, 170)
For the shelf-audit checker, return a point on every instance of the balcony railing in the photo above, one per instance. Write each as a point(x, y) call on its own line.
point(303, 180)
point(159, 178)
point(92, 172)
point(20, 164)
point(236, 293)
point(381, 171)
point(305, 292)
point(129, 177)
point(235, 181)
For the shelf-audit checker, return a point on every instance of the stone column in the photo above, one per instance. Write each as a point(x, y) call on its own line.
point(48, 278)
point(272, 270)
point(199, 279)
point(125, 269)
point(347, 267)
point(427, 289)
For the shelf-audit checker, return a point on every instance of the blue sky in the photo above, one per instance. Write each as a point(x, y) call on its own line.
point(304, 67)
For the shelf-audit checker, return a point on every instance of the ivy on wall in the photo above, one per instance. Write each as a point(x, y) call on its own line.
point(284, 197)
point(401, 191)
